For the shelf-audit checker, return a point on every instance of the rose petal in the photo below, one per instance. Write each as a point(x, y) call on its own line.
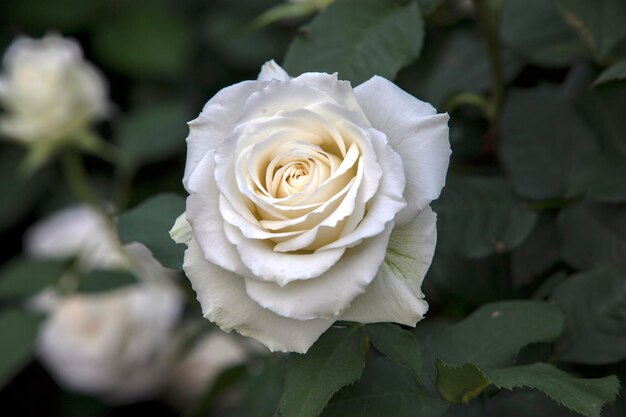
point(216, 122)
point(224, 301)
point(181, 231)
point(204, 216)
point(416, 133)
point(329, 294)
point(277, 267)
point(341, 91)
point(280, 96)
point(388, 200)
point(395, 294)
point(272, 71)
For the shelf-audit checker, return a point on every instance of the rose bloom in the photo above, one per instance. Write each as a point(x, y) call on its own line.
point(48, 91)
point(119, 345)
point(309, 203)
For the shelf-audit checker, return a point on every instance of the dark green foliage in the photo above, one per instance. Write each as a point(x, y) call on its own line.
point(359, 39)
point(150, 223)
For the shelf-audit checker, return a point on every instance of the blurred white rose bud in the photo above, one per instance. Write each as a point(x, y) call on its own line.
point(82, 233)
point(74, 232)
point(48, 91)
point(197, 371)
point(119, 345)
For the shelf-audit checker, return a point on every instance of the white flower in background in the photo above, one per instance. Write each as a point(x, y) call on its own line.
point(48, 91)
point(309, 203)
point(197, 371)
point(119, 345)
point(74, 232)
point(82, 233)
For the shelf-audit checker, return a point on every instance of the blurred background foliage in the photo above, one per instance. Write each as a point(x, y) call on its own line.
point(534, 205)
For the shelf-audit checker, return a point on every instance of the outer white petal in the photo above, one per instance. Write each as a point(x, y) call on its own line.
point(395, 294)
point(414, 131)
point(181, 231)
point(216, 121)
point(224, 301)
point(341, 91)
point(331, 293)
point(204, 216)
point(272, 71)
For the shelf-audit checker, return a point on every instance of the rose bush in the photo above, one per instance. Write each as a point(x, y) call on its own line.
point(48, 90)
point(309, 203)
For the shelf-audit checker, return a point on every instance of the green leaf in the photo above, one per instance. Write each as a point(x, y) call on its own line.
point(263, 387)
point(600, 23)
point(150, 222)
point(222, 31)
point(493, 335)
point(585, 396)
point(388, 390)
point(24, 190)
point(359, 39)
point(479, 216)
point(595, 316)
point(543, 140)
point(460, 384)
point(104, 280)
point(593, 234)
point(525, 402)
point(284, 11)
point(143, 39)
point(335, 360)
point(154, 132)
point(455, 62)
point(600, 178)
point(459, 285)
point(535, 29)
point(19, 330)
point(615, 72)
point(398, 345)
point(603, 109)
point(537, 253)
point(22, 277)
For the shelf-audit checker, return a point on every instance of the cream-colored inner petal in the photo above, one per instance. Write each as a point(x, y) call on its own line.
point(298, 173)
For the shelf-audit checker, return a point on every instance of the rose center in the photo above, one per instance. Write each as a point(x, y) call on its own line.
point(297, 176)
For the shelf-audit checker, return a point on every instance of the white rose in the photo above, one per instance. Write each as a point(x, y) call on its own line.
point(309, 203)
point(198, 369)
point(80, 232)
point(48, 90)
point(119, 345)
